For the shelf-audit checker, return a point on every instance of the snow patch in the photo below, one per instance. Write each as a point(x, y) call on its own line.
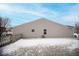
point(23, 43)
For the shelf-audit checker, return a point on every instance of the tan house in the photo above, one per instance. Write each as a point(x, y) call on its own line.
point(43, 28)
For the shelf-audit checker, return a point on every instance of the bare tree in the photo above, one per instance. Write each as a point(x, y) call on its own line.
point(4, 22)
point(76, 30)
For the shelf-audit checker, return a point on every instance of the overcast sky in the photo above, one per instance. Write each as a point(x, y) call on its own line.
point(66, 14)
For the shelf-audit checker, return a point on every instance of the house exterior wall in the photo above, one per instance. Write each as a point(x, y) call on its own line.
point(53, 29)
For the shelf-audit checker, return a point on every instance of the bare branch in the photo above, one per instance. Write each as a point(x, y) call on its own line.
point(77, 27)
point(4, 22)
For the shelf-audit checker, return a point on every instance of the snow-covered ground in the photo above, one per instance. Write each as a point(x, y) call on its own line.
point(69, 43)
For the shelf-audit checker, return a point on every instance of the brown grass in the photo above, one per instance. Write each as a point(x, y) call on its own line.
point(44, 51)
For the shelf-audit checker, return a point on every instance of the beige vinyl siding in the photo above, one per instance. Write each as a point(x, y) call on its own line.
point(53, 29)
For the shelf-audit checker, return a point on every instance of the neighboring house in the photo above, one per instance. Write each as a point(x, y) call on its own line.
point(43, 28)
point(8, 32)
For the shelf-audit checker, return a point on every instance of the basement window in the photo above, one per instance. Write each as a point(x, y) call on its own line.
point(45, 33)
point(33, 30)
